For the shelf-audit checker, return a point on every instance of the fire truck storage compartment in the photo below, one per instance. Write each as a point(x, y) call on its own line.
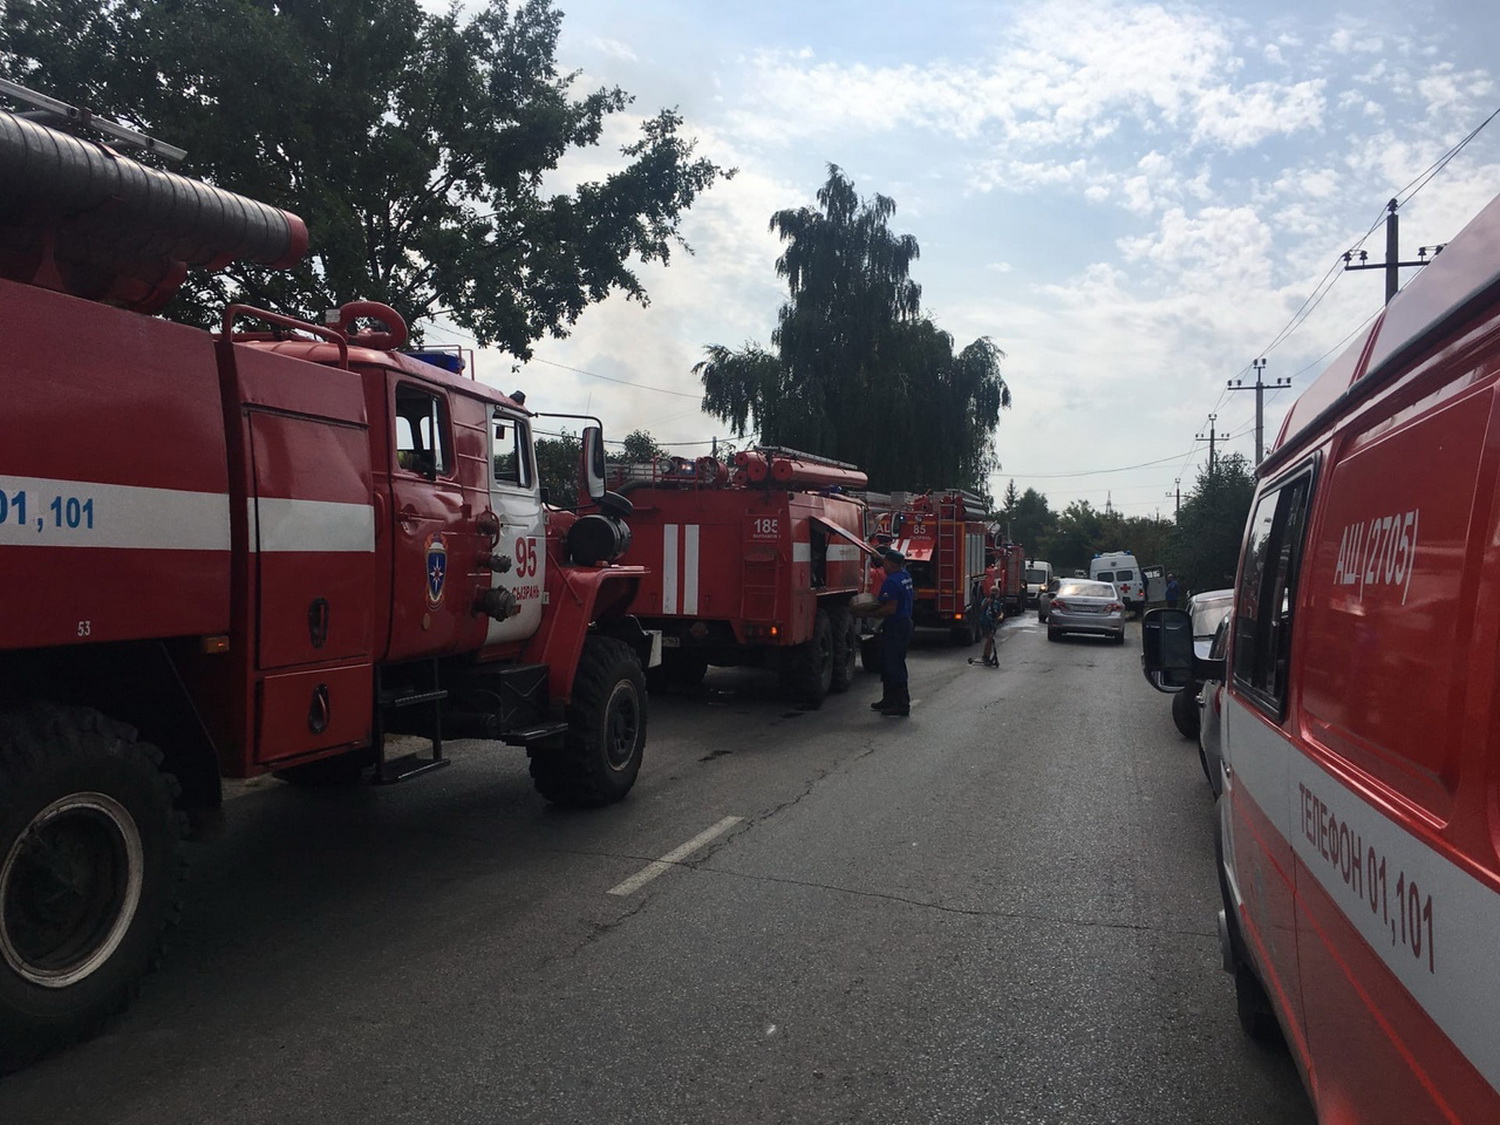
point(316, 709)
point(315, 558)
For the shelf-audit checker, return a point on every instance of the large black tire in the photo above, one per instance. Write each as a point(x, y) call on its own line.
point(845, 648)
point(1185, 712)
point(810, 672)
point(872, 655)
point(1052, 634)
point(601, 753)
point(90, 873)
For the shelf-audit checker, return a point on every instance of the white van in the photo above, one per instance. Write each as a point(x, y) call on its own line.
point(1120, 568)
point(1038, 577)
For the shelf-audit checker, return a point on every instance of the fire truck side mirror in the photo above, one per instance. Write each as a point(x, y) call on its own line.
point(592, 466)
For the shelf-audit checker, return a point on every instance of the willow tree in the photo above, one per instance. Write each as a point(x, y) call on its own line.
point(858, 373)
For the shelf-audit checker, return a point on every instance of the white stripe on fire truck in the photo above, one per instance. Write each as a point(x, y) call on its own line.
point(669, 568)
point(41, 512)
point(1459, 988)
point(690, 568)
point(279, 526)
point(802, 552)
point(844, 552)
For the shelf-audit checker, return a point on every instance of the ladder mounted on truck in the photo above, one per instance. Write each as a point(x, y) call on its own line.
point(60, 114)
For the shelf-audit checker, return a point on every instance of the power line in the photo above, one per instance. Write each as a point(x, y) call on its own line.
point(623, 382)
point(1442, 162)
point(1088, 472)
point(1334, 272)
point(580, 371)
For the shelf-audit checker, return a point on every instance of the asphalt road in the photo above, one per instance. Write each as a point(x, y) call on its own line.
point(998, 910)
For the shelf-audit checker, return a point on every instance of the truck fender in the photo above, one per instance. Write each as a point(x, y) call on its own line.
point(580, 598)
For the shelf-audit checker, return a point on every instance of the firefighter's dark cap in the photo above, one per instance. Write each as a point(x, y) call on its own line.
point(893, 555)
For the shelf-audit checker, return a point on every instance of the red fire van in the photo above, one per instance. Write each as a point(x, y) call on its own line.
point(1359, 825)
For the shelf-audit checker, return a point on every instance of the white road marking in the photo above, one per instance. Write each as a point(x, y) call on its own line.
point(672, 858)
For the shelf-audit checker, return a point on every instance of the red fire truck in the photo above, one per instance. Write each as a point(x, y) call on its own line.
point(754, 566)
point(945, 542)
point(231, 552)
point(1007, 569)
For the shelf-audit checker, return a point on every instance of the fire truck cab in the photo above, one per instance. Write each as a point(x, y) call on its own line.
point(1359, 825)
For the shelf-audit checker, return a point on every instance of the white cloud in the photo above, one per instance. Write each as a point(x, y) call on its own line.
point(1243, 118)
point(614, 49)
point(1070, 73)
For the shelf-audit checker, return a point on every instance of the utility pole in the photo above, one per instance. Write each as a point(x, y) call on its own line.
point(1177, 493)
point(1212, 418)
point(1259, 388)
point(1392, 261)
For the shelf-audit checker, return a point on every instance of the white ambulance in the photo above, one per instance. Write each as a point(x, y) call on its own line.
point(1120, 568)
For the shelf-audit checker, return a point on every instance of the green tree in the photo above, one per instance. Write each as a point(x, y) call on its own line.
point(639, 447)
point(1205, 545)
point(1009, 499)
point(557, 467)
point(858, 373)
point(1032, 523)
point(1146, 537)
point(417, 146)
point(1078, 536)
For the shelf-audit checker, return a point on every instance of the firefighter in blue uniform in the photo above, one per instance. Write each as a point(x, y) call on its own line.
point(894, 603)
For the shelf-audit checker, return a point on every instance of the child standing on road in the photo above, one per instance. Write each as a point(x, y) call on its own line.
point(991, 613)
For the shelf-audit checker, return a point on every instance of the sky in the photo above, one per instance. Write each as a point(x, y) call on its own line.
point(1134, 201)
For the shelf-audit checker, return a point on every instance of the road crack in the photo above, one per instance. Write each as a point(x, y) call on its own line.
point(970, 912)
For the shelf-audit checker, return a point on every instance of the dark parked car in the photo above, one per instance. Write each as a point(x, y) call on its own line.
point(1207, 609)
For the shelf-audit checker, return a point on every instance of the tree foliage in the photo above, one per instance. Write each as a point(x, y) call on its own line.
point(639, 447)
point(1030, 522)
point(1071, 538)
point(1205, 547)
point(415, 145)
point(557, 467)
point(858, 373)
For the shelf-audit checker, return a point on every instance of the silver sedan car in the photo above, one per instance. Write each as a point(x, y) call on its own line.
point(1084, 606)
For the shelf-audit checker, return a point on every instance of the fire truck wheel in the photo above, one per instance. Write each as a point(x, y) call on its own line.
point(845, 648)
point(89, 873)
point(811, 672)
point(871, 655)
point(601, 753)
point(1185, 712)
